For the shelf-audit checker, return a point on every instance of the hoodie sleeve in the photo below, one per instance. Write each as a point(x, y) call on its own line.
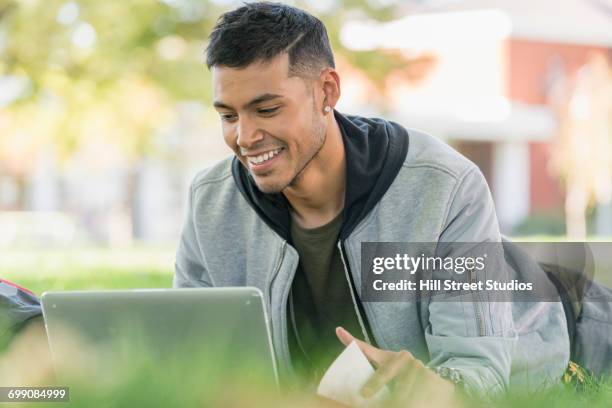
point(473, 337)
point(17, 306)
point(190, 270)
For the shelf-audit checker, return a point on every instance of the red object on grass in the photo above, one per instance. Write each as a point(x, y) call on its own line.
point(17, 286)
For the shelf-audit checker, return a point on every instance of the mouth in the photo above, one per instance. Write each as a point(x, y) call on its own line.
point(264, 161)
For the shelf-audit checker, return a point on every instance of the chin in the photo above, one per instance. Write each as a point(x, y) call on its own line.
point(270, 186)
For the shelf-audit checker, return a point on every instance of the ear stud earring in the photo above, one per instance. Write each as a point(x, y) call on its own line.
point(327, 109)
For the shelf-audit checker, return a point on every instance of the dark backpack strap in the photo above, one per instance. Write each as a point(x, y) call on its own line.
point(568, 308)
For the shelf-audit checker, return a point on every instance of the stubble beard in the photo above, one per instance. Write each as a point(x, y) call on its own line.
point(299, 172)
point(319, 136)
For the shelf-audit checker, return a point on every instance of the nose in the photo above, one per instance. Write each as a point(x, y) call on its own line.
point(248, 133)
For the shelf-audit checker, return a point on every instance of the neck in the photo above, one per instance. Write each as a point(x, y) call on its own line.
point(317, 196)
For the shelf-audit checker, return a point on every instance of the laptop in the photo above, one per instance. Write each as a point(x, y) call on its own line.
point(189, 332)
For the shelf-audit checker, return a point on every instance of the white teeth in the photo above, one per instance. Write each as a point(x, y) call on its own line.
point(263, 157)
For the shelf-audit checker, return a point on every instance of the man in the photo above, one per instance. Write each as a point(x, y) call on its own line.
point(306, 187)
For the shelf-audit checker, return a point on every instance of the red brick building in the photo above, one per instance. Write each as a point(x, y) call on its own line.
point(489, 66)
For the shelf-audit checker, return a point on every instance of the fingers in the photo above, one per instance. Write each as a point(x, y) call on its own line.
point(408, 384)
point(413, 381)
point(401, 366)
point(345, 337)
point(401, 363)
point(375, 355)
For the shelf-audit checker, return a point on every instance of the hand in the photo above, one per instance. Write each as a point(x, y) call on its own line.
point(414, 384)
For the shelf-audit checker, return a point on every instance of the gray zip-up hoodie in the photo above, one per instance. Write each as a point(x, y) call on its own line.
point(402, 186)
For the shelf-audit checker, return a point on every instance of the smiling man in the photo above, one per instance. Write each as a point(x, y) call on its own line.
point(271, 121)
point(306, 187)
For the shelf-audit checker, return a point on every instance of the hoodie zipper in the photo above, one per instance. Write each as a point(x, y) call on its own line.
point(350, 282)
point(477, 304)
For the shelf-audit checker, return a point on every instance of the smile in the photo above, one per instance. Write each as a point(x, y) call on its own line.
point(263, 158)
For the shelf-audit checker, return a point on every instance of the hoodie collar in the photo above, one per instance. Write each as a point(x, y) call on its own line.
point(375, 150)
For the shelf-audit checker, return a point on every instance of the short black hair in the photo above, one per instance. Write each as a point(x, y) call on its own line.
point(260, 31)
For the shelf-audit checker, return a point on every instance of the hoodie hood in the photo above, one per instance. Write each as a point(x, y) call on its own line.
point(375, 150)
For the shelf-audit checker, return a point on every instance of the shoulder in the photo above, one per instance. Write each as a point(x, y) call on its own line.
point(427, 151)
point(214, 186)
point(215, 175)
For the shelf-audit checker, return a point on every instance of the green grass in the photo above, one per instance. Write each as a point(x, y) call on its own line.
point(45, 269)
point(84, 268)
point(593, 394)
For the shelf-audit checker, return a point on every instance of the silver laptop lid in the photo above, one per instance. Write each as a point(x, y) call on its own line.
point(211, 330)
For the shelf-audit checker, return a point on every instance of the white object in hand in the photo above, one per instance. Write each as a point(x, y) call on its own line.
point(343, 380)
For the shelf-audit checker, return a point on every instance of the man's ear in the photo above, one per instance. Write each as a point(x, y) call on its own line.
point(330, 84)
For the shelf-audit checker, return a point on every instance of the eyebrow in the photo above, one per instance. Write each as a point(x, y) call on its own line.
point(261, 98)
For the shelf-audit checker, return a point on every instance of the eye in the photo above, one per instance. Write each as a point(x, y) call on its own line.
point(268, 111)
point(228, 117)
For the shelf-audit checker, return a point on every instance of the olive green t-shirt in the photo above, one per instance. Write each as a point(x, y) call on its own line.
point(321, 299)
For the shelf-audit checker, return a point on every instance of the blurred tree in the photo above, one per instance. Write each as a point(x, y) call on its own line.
point(93, 70)
point(78, 55)
point(105, 67)
point(583, 151)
